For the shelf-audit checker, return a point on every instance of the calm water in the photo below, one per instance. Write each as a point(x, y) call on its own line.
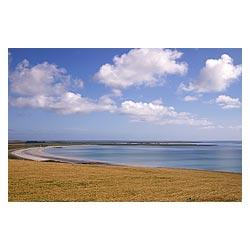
point(224, 156)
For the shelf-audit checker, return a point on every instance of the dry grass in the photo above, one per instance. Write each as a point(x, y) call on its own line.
point(50, 181)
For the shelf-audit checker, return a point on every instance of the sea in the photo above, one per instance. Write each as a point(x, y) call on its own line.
point(225, 156)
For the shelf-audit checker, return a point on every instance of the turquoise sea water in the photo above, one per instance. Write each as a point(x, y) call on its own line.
point(222, 156)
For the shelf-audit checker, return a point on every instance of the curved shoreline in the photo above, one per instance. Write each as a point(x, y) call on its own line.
point(38, 154)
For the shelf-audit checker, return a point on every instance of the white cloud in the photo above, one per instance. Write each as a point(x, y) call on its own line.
point(157, 113)
point(47, 86)
point(67, 103)
point(190, 98)
point(157, 101)
point(41, 79)
point(146, 111)
point(226, 102)
point(71, 103)
point(216, 76)
point(140, 67)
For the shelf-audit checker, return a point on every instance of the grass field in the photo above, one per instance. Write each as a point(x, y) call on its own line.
point(51, 181)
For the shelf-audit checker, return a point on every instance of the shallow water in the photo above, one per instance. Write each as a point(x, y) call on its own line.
point(222, 156)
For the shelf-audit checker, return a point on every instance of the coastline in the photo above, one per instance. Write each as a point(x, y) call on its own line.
point(38, 154)
point(40, 176)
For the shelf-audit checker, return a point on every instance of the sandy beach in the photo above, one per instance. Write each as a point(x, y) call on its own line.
point(38, 154)
point(35, 154)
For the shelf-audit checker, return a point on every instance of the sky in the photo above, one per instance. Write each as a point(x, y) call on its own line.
point(125, 94)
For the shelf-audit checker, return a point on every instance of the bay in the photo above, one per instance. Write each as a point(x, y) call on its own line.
point(225, 156)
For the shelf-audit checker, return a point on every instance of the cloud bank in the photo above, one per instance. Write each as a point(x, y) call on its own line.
point(157, 113)
point(46, 86)
point(67, 103)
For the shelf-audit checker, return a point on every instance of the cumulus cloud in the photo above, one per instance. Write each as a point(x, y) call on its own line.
point(67, 103)
point(41, 79)
point(140, 67)
point(216, 76)
point(157, 113)
point(47, 86)
point(190, 98)
point(227, 102)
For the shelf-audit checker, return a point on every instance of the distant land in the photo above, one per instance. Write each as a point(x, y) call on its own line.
point(114, 142)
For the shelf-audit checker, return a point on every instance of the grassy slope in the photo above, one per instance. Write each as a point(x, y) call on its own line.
point(49, 181)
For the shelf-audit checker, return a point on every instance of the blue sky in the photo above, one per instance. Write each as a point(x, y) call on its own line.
point(125, 94)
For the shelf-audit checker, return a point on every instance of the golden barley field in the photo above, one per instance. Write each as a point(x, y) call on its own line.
point(55, 182)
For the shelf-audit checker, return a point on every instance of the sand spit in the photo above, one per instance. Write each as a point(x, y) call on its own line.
point(35, 154)
point(38, 154)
